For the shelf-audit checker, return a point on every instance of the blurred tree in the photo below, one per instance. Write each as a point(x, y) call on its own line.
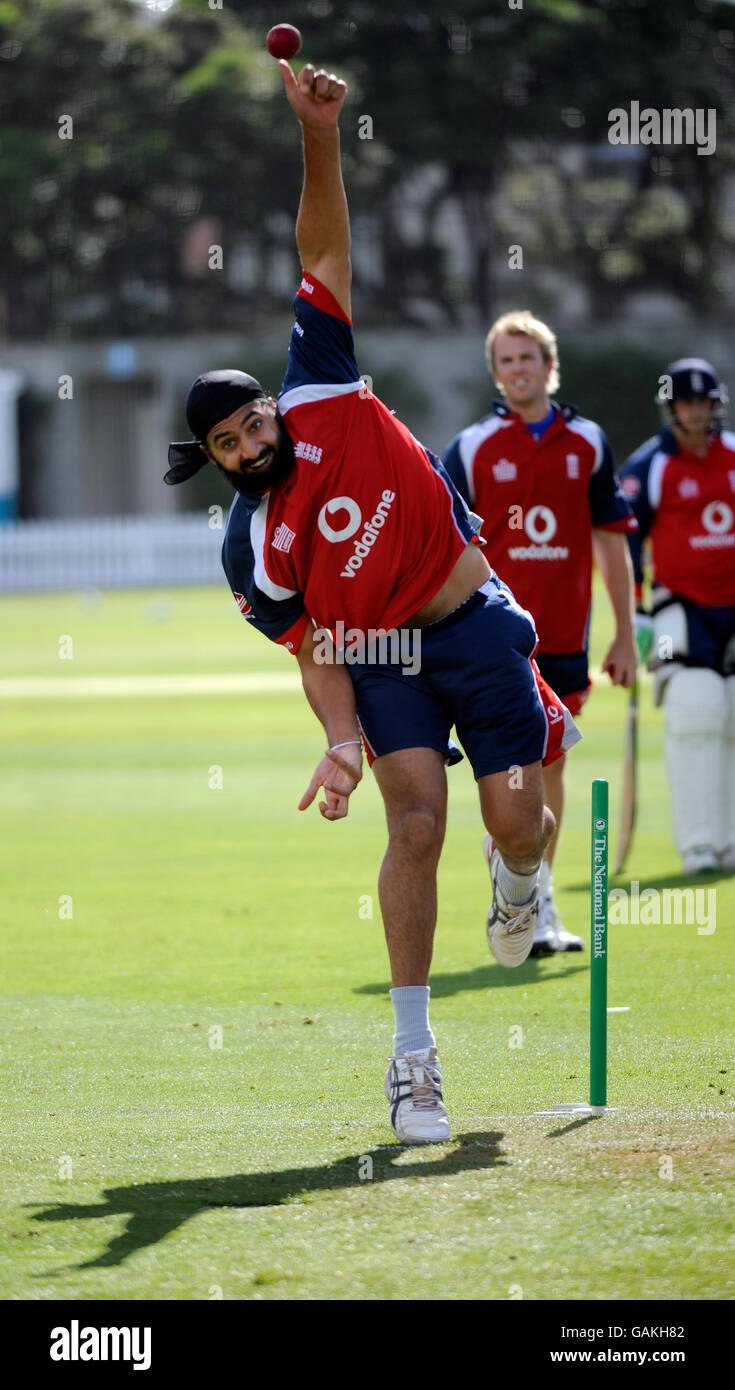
point(169, 121)
point(465, 132)
point(531, 89)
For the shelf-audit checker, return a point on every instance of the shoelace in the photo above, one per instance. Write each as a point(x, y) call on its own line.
point(520, 920)
point(422, 1092)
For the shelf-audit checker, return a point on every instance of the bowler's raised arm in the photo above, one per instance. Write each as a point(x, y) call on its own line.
point(323, 222)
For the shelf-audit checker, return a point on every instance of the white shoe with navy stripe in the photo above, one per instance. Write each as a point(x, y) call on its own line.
point(413, 1085)
point(509, 928)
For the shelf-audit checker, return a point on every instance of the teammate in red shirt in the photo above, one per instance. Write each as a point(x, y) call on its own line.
point(542, 479)
point(681, 484)
point(347, 537)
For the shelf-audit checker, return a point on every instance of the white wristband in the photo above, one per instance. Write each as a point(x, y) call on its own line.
point(346, 744)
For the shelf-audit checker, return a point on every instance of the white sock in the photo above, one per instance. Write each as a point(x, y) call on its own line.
point(517, 889)
point(544, 879)
point(411, 1011)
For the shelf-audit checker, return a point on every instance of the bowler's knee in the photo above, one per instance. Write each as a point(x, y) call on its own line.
point(527, 840)
point(418, 830)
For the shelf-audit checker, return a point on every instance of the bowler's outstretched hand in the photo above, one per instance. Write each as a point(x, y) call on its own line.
point(316, 97)
point(339, 774)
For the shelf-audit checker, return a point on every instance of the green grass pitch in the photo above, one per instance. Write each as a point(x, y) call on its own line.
point(196, 1014)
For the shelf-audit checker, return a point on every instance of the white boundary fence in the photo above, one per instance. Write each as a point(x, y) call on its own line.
point(110, 553)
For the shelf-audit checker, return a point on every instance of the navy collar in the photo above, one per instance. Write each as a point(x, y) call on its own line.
point(566, 411)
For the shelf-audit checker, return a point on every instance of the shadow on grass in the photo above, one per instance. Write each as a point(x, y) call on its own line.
point(155, 1209)
point(574, 1124)
point(487, 977)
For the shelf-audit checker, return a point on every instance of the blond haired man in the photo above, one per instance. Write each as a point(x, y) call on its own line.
point(542, 478)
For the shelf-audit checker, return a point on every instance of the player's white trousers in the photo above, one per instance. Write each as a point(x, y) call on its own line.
point(729, 763)
point(699, 739)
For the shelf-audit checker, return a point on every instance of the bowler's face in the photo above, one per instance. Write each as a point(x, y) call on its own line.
point(247, 442)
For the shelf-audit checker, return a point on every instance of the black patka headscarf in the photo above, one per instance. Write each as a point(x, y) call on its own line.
point(213, 397)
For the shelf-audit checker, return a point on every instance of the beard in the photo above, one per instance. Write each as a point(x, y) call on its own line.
point(281, 463)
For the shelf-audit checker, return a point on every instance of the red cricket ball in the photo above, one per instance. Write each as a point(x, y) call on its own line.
point(283, 41)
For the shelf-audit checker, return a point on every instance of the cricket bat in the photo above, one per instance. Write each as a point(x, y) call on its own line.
point(629, 797)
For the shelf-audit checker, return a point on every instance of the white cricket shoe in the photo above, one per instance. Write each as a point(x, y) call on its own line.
point(550, 936)
point(509, 929)
point(545, 940)
point(566, 941)
point(700, 859)
point(413, 1085)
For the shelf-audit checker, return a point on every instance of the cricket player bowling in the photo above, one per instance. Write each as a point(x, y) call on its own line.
point(343, 521)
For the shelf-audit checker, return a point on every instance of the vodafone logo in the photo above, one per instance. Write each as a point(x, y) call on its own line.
point(365, 542)
point(717, 518)
point(339, 504)
point(540, 524)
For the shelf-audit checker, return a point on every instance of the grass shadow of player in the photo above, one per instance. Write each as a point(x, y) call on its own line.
point(492, 976)
point(155, 1209)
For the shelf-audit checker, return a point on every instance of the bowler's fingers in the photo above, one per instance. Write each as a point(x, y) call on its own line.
point(355, 773)
point(288, 75)
point(329, 87)
point(321, 85)
point(319, 779)
point(334, 808)
point(293, 90)
point(310, 792)
point(306, 77)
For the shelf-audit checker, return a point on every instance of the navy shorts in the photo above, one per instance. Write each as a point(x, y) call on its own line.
point(471, 670)
point(567, 674)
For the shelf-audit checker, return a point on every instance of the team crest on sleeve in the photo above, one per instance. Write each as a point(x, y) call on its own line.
point(689, 487)
point(243, 604)
point(504, 471)
point(283, 538)
point(311, 452)
point(630, 486)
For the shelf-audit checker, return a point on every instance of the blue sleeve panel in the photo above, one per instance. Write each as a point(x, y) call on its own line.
point(455, 468)
point(607, 503)
point(273, 617)
point(636, 469)
point(321, 350)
